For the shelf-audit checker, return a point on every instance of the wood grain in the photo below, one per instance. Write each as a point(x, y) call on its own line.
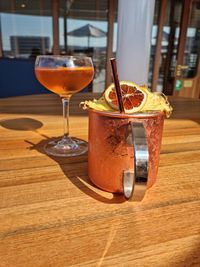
point(52, 216)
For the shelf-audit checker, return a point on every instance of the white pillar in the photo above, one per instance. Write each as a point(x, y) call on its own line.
point(135, 19)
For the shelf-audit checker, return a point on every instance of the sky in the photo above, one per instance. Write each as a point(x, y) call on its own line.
point(26, 25)
point(23, 25)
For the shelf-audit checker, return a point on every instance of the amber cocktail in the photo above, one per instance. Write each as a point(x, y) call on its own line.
point(64, 81)
point(65, 76)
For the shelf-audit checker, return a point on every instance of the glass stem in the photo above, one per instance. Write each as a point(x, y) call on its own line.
point(65, 102)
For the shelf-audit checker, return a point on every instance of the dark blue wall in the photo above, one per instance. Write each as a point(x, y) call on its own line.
point(17, 78)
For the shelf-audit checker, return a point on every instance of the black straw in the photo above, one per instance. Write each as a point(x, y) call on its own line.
point(117, 85)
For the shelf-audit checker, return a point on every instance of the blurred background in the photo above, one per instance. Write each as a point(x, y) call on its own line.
point(90, 27)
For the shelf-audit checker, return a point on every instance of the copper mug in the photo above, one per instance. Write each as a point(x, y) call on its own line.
point(124, 151)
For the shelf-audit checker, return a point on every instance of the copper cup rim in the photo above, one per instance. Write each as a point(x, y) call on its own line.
point(115, 114)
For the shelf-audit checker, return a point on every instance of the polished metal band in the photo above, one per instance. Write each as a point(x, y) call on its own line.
point(135, 181)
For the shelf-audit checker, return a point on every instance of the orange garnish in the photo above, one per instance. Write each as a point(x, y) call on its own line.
point(134, 98)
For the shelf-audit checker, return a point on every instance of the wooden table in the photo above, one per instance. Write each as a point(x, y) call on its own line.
point(51, 215)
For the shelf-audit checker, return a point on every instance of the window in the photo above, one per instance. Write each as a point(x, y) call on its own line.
point(26, 28)
point(83, 31)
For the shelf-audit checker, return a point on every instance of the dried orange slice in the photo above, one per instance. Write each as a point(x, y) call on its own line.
point(133, 96)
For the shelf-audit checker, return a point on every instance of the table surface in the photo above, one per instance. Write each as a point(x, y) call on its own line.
point(51, 214)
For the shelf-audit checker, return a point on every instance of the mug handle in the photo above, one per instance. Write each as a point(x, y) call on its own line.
point(135, 181)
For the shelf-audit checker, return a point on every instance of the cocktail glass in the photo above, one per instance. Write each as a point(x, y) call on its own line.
point(65, 76)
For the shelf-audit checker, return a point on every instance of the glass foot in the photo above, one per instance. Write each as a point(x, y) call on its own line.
point(66, 147)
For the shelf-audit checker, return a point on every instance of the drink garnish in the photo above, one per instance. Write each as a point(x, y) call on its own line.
point(132, 96)
point(135, 99)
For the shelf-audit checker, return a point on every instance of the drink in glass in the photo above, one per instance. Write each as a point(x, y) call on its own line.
point(65, 76)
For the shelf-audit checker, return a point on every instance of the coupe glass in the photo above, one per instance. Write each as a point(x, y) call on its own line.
point(65, 76)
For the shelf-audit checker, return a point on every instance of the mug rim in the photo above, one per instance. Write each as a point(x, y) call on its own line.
point(147, 114)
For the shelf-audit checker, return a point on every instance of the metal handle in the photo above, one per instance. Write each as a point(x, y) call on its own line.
point(179, 69)
point(135, 181)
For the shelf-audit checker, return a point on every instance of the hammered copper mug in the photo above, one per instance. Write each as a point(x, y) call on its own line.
point(124, 151)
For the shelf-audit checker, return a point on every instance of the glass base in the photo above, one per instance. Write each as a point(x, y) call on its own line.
point(66, 147)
